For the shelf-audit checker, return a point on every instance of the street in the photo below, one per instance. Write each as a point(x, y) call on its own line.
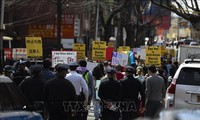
point(91, 114)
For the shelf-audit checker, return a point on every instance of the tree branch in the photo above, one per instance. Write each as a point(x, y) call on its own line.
point(173, 9)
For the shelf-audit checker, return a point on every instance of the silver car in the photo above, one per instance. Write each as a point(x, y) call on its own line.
point(184, 90)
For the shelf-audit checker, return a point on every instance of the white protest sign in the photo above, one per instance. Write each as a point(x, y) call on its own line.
point(90, 65)
point(136, 50)
point(18, 53)
point(63, 57)
point(119, 58)
point(142, 54)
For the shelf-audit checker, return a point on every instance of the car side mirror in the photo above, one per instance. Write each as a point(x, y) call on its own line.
point(170, 79)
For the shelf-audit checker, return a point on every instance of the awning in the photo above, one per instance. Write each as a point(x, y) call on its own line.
point(7, 38)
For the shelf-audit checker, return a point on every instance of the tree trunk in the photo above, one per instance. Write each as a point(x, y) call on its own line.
point(107, 32)
point(140, 36)
point(130, 35)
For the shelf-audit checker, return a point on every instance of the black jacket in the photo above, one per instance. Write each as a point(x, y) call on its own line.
point(19, 76)
point(59, 89)
point(32, 88)
point(131, 88)
point(58, 93)
point(110, 90)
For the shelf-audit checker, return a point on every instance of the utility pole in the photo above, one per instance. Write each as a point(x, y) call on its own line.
point(97, 20)
point(1, 35)
point(59, 17)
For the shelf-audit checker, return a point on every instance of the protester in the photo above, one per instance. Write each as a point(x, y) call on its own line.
point(59, 93)
point(106, 66)
point(81, 88)
point(173, 68)
point(47, 74)
point(7, 71)
point(28, 65)
point(87, 75)
point(160, 73)
point(119, 74)
point(140, 74)
point(169, 67)
point(32, 86)
point(155, 93)
point(131, 99)
point(20, 74)
point(109, 93)
point(97, 73)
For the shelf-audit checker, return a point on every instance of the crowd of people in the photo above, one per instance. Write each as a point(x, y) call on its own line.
point(69, 90)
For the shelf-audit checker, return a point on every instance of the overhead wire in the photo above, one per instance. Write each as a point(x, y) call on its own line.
point(36, 13)
point(32, 18)
point(38, 3)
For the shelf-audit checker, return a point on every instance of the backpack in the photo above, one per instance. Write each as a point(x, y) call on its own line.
point(86, 76)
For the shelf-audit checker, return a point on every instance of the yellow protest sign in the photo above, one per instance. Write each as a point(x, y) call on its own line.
point(163, 50)
point(124, 48)
point(98, 50)
point(34, 47)
point(80, 49)
point(171, 52)
point(153, 54)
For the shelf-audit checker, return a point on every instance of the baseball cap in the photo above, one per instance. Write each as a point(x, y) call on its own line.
point(111, 70)
point(36, 68)
point(129, 69)
point(61, 67)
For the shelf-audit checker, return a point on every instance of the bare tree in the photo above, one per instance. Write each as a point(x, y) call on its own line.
point(106, 13)
point(139, 20)
point(132, 18)
point(188, 9)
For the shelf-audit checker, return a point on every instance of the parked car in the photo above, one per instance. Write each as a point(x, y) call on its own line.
point(187, 42)
point(180, 114)
point(184, 90)
point(194, 43)
point(13, 105)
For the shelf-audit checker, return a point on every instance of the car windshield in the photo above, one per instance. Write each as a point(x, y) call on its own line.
point(189, 76)
point(10, 97)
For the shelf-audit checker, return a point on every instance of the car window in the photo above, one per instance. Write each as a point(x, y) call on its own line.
point(189, 76)
point(10, 97)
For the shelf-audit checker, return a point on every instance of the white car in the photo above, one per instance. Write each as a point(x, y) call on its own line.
point(194, 43)
point(184, 90)
point(180, 114)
